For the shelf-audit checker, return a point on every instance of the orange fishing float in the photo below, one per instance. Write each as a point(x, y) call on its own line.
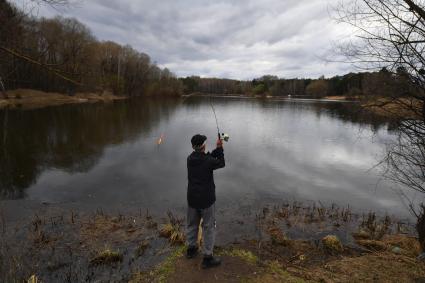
point(161, 138)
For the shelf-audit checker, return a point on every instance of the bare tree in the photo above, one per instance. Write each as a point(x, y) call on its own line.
point(12, 19)
point(390, 34)
point(62, 55)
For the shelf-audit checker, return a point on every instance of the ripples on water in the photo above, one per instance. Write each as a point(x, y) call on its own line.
point(107, 154)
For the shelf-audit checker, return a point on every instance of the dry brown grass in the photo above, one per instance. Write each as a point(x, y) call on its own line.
point(332, 244)
point(374, 267)
point(31, 99)
point(339, 97)
point(394, 107)
point(277, 236)
point(172, 233)
point(105, 241)
point(33, 279)
point(112, 230)
point(408, 245)
point(308, 264)
point(373, 245)
point(173, 230)
point(106, 257)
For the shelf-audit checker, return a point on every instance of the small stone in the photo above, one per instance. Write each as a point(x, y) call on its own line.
point(361, 235)
point(332, 243)
point(373, 245)
point(396, 250)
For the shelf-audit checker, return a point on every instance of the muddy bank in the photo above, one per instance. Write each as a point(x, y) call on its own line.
point(395, 108)
point(335, 98)
point(32, 99)
point(341, 98)
point(291, 242)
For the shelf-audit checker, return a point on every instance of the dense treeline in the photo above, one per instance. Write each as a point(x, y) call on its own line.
point(61, 54)
point(367, 84)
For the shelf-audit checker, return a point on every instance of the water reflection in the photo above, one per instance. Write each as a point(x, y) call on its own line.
point(106, 155)
point(69, 138)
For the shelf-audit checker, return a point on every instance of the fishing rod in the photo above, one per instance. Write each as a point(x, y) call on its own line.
point(221, 136)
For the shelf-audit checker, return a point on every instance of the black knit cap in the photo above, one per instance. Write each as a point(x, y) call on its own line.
point(197, 140)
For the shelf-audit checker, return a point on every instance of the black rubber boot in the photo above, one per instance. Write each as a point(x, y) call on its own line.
point(191, 252)
point(210, 261)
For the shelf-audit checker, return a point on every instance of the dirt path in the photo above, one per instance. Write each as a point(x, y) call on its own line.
point(234, 269)
point(239, 265)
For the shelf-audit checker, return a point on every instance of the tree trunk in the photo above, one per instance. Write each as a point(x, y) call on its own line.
point(415, 8)
point(420, 227)
point(423, 110)
point(3, 90)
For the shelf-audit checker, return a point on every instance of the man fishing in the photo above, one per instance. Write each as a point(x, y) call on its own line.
point(201, 198)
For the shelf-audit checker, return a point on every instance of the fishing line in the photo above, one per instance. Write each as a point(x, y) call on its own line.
point(215, 116)
point(221, 136)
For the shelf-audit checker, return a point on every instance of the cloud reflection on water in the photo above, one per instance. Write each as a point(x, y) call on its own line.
point(278, 151)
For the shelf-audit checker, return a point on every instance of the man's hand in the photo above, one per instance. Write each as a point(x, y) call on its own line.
point(219, 143)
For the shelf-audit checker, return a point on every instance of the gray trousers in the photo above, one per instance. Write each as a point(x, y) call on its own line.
point(194, 217)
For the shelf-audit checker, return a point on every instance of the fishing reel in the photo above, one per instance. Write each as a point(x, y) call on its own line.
point(223, 137)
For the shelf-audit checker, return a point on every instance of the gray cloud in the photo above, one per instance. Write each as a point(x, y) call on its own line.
point(239, 39)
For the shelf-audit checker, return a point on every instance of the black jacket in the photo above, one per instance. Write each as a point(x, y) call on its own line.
point(201, 187)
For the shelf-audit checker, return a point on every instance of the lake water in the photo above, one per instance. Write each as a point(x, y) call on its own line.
point(106, 155)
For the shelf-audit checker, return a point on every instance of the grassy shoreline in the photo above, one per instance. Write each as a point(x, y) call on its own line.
point(34, 99)
point(27, 99)
point(396, 108)
point(138, 247)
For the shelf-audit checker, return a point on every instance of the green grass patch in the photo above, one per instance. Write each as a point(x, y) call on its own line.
point(161, 272)
point(245, 255)
point(273, 272)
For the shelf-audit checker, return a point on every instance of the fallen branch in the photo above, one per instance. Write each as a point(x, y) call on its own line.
point(32, 61)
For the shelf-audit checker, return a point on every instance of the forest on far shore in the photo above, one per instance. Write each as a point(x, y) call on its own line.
point(62, 55)
point(354, 85)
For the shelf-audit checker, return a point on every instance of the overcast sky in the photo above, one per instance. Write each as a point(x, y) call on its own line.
point(241, 39)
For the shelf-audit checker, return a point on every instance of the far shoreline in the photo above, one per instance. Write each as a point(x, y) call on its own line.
point(27, 99)
point(274, 98)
